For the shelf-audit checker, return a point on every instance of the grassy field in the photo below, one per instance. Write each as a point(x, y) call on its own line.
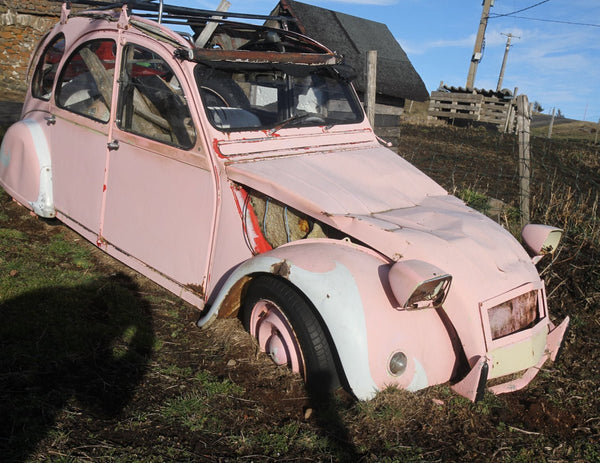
point(573, 130)
point(99, 364)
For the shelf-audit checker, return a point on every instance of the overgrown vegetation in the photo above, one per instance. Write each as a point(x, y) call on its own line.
point(99, 364)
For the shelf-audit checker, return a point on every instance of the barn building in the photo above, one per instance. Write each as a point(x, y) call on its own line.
point(353, 37)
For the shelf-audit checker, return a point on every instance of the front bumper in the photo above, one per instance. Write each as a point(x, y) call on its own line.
point(472, 386)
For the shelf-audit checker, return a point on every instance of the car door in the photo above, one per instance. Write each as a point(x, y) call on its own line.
point(160, 195)
point(79, 132)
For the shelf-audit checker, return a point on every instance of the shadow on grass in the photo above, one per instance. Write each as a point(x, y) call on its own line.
point(82, 348)
point(329, 407)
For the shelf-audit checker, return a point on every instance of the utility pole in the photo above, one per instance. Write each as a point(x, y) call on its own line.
point(478, 49)
point(501, 77)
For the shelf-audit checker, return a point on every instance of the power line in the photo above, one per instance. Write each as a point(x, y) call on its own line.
point(512, 15)
point(555, 21)
point(494, 15)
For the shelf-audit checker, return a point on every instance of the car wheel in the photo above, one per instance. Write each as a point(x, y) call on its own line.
point(288, 330)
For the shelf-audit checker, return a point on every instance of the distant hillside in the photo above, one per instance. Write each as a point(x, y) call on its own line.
point(564, 128)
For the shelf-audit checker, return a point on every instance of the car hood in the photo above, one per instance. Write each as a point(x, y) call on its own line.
point(351, 182)
point(375, 196)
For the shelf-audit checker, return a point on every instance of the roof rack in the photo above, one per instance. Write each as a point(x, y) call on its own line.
point(174, 14)
point(236, 41)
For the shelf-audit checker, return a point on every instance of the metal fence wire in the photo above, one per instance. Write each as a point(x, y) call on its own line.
point(487, 162)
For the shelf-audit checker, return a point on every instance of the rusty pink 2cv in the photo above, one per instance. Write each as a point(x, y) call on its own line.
point(234, 166)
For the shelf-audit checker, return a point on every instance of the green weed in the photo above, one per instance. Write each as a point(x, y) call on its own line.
point(201, 408)
point(192, 411)
point(8, 234)
point(212, 386)
point(474, 199)
point(63, 249)
point(176, 371)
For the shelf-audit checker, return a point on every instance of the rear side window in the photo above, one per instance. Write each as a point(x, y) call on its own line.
point(151, 102)
point(47, 67)
point(86, 81)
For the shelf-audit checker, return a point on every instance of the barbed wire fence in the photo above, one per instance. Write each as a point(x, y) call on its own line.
point(474, 161)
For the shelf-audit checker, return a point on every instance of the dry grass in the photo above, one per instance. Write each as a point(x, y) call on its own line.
point(576, 130)
point(177, 393)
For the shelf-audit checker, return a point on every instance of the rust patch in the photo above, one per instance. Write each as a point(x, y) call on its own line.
point(247, 56)
point(281, 269)
point(196, 289)
point(233, 301)
point(514, 315)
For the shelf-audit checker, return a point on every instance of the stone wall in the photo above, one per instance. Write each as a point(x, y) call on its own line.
point(22, 25)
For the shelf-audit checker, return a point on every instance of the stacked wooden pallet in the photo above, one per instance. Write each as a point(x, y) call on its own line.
point(473, 107)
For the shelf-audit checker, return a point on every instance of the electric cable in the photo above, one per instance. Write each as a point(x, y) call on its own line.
point(494, 15)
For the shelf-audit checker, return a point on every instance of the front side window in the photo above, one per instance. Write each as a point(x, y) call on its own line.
point(47, 67)
point(86, 82)
point(267, 97)
point(151, 102)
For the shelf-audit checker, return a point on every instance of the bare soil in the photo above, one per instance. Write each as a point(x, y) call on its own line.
point(145, 384)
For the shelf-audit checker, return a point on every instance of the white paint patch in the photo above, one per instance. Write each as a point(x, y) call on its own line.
point(44, 206)
point(419, 380)
point(329, 292)
point(4, 156)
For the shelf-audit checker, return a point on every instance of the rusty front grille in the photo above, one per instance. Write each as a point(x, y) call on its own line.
point(514, 315)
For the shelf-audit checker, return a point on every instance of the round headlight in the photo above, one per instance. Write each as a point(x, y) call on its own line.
point(398, 363)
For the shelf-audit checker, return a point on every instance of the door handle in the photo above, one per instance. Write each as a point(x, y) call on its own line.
point(51, 119)
point(113, 145)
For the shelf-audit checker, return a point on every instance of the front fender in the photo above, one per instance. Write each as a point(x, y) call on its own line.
point(347, 285)
point(25, 167)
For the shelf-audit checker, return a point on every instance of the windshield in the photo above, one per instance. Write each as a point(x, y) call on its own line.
point(272, 97)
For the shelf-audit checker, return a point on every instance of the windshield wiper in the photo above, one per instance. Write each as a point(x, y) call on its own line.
point(296, 118)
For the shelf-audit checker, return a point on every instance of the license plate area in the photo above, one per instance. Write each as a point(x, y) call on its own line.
point(509, 317)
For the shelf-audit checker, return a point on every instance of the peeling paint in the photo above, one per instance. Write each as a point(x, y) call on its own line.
point(281, 269)
point(4, 157)
point(195, 288)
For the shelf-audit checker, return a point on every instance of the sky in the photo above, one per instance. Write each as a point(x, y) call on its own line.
point(555, 60)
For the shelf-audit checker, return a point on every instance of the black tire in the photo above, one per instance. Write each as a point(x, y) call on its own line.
point(320, 372)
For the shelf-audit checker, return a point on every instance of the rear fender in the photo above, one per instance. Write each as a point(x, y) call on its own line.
point(25, 167)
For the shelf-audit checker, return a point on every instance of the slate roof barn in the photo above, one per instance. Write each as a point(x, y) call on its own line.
point(353, 37)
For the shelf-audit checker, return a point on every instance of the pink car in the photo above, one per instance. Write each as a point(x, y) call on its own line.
point(236, 169)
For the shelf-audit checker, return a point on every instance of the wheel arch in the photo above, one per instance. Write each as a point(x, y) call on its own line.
point(326, 273)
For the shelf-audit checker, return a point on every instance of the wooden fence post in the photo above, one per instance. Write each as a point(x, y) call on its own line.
point(371, 86)
point(551, 124)
point(523, 121)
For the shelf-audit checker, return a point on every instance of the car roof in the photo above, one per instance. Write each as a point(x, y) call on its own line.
point(228, 37)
